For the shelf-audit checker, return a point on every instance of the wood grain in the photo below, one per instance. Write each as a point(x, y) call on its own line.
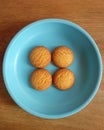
point(16, 14)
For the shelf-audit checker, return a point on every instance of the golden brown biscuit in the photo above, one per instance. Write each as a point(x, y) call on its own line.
point(40, 57)
point(62, 56)
point(41, 79)
point(63, 79)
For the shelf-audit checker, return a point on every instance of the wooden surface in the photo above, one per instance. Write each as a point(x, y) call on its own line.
point(15, 14)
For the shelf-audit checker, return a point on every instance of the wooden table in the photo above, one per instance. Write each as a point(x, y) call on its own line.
point(15, 14)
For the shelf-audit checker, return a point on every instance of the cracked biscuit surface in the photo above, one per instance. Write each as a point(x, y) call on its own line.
point(62, 56)
point(63, 79)
point(40, 57)
point(41, 79)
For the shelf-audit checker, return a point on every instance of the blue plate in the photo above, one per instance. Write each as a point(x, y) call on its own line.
point(52, 103)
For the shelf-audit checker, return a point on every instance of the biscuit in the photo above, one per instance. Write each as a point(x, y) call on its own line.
point(40, 57)
point(41, 79)
point(63, 79)
point(62, 56)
